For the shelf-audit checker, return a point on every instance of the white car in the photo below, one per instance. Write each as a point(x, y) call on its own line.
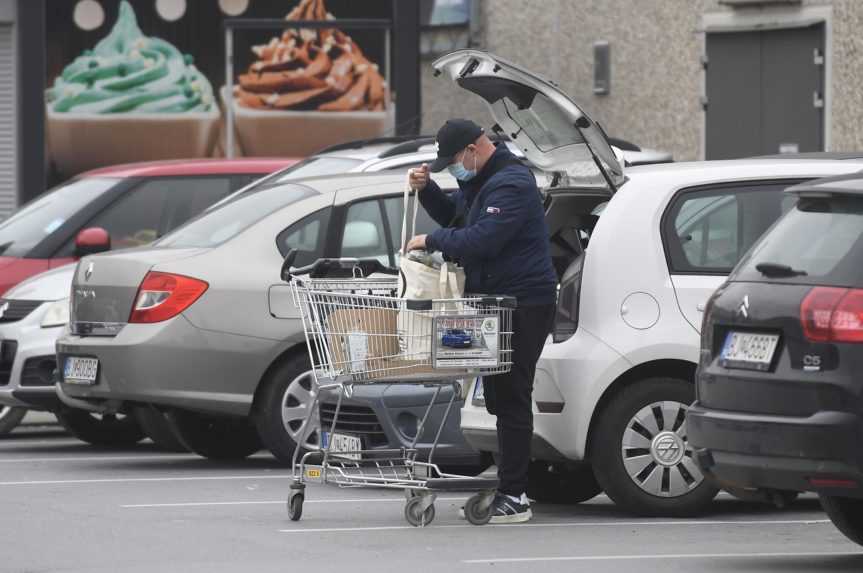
point(639, 252)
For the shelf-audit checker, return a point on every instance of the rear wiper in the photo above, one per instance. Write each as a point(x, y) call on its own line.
point(778, 270)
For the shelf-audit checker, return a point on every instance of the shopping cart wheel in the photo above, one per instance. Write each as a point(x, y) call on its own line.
point(295, 502)
point(477, 509)
point(419, 511)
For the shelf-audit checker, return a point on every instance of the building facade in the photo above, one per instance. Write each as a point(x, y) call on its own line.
point(700, 78)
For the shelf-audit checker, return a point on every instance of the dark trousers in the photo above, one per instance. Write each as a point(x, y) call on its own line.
point(508, 396)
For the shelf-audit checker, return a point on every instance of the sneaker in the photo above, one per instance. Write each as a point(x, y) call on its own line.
point(506, 509)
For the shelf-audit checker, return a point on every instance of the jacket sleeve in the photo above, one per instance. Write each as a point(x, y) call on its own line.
point(437, 204)
point(503, 216)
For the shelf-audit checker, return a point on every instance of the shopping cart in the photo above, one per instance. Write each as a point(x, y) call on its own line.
point(358, 331)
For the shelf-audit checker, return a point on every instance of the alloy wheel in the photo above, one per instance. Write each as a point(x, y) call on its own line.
point(296, 401)
point(656, 452)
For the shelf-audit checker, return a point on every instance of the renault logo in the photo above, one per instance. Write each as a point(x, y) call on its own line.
point(743, 309)
point(89, 272)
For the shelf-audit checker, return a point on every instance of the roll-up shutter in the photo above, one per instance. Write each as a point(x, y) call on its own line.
point(8, 139)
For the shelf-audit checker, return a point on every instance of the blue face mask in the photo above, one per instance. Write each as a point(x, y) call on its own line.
point(460, 172)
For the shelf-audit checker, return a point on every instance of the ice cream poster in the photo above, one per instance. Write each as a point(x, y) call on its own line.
point(140, 80)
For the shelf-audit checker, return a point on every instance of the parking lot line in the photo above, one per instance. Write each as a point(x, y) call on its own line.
point(658, 556)
point(155, 457)
point(281, 502)
point(135, 480)
point(646, 522)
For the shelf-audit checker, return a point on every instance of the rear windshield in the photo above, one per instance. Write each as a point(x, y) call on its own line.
point(314, 166)
point(229, 219)
point(821, 237)
point(33, 222)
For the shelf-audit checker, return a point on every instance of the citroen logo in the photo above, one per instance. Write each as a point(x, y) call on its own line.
point(3, 308)
point(89, 272)
point(743, 309)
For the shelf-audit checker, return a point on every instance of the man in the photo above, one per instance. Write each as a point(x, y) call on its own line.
point(495, 227)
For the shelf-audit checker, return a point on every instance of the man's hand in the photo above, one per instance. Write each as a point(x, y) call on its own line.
point(418, 243)
point(419, 177)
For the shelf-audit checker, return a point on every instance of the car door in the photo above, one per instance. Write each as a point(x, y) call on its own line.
point(551, 130)
point(706, 230)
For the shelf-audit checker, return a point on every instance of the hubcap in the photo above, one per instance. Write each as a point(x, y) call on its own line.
point(296, 402)
point(656, 452)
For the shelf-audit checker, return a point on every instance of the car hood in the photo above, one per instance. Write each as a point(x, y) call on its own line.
point(50, 285)
point(551, 130)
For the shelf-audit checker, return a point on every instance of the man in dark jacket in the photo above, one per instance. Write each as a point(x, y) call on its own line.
point(495, 227)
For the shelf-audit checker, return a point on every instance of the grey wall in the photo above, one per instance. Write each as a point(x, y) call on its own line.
point(656, 74)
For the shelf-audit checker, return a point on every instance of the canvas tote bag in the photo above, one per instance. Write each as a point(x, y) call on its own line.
point(421, 281)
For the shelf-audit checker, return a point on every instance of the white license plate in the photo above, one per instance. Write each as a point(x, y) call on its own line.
point(342, 445)
point(478, 393)
point(80, 370)
point(748, 350)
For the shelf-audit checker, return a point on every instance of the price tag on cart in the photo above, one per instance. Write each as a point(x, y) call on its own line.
point(465, 341)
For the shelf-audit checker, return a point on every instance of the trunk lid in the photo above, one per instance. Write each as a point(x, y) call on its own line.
point(548, 126)
point(105, 286)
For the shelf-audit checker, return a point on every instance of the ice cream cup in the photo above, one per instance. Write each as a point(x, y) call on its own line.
point(268, 132)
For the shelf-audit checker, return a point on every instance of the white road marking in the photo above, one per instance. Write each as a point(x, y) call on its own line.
point(135, 480)
point(659, 556)
point(570, 524)
point(102, 458)
point(281, 502)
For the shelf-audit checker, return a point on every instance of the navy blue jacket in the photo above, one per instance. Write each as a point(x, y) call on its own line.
point(503, 243)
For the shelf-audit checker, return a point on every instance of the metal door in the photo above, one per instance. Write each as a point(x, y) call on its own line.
point(765, 92)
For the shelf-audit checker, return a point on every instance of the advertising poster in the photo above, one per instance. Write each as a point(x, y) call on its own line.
point(137, 80)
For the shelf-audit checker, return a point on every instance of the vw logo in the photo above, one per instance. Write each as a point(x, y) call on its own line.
point(743, 309)
point(3, 308)
point(89, 272)
point(667, 449)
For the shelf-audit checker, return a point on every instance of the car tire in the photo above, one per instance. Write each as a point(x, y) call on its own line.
point(287, 392)
point(158, 429)
point(645, 423)
point(10, 418)
point(214, 437)
point(556, 483)
point(846, 514)
point(113, 430)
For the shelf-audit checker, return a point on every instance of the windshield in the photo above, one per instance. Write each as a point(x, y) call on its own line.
point(231, 218)
point(314, 166)
point(822, 238)
point(33, 222)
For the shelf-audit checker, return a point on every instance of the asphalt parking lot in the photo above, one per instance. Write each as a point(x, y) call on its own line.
point(71, 507)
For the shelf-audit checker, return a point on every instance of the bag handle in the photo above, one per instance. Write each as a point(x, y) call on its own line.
point(407, 195)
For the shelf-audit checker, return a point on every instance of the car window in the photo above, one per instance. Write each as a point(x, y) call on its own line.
point(709, 230)
point(36, 220)
point(307, 236)
point(394, 207)
point(821, 239)
point(321, 165)
point(224, 222)
point(364, 235)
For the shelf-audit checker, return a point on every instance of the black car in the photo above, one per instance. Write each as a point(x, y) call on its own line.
point(780, 385)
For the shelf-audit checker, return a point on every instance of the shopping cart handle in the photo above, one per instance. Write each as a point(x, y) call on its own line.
point(345, 268)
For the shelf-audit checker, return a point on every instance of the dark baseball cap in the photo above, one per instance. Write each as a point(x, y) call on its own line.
point(455, 135)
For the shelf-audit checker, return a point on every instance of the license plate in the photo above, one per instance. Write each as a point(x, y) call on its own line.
point(80, 370)
point(342, 445)
point(748, 350)
point(478, 393)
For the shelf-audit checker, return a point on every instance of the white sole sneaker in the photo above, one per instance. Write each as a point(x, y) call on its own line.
point(514, 518)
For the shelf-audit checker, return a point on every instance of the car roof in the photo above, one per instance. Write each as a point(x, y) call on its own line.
point(840, 185)
point(248, 165)
point(834, 155)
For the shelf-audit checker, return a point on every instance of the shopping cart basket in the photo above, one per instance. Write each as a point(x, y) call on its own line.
point(358, 331)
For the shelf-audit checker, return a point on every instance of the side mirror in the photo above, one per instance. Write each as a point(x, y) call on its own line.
point(91, 241)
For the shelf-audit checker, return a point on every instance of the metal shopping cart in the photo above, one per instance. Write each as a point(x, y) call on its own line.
point(359, 331)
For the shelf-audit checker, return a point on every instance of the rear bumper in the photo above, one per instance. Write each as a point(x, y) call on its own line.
point(779, 452)
point(385, 416)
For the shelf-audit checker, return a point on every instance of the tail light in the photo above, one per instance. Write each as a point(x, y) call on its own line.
point(568, 295)
point(162, 296)
point(830, 314)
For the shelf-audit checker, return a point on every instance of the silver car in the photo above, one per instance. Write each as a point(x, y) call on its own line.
point(189, 324)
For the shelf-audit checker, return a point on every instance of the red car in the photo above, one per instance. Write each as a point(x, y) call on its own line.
point(117, 207)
